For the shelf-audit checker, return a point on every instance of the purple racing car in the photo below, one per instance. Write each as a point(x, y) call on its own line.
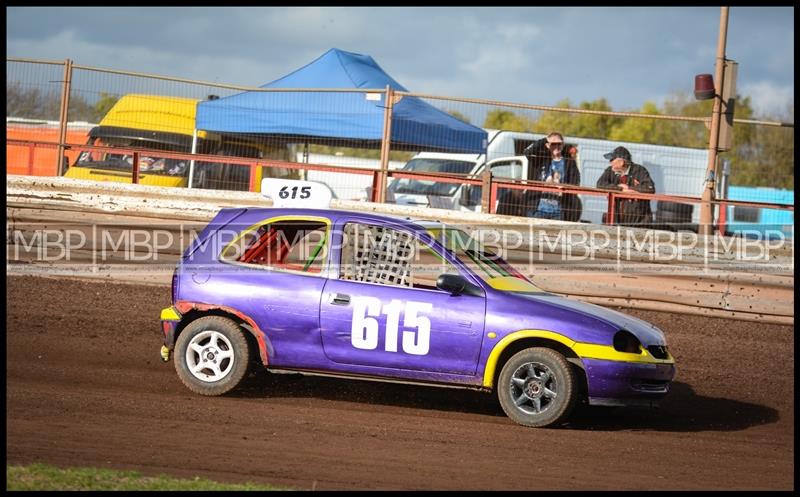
point(372, 296)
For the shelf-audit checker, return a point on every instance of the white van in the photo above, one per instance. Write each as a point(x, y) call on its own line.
point(504, 154)
point(675, 171)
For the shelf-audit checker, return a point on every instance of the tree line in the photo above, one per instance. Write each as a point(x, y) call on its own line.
point(760, 155)
point(35, 103)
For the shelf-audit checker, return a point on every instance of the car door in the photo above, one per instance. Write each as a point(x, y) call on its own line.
point(384, 310)
point(274, 272)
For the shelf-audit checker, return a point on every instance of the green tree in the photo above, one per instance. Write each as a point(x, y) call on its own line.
point(104, 104)
point(507, 120)
point(577, 124)
point(685, 133)
point(762, 155)
point(81, 110)
point(32, 103)
point(459, 116)
point(759, 155)
point(639, 130)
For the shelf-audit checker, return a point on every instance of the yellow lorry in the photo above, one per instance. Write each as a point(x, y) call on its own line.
point(156, 123)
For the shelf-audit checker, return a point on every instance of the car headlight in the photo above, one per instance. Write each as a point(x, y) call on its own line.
point(625, 341)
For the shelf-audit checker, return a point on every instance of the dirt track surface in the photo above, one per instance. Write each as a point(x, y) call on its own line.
point(86, 387)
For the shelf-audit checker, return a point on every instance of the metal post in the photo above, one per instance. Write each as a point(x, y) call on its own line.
point(385, 145)
point(492, 197)
point(487, 203)
point(722, 220)
point(135, 175)
point(706, 214)
point(304, 172)
point(63, 117)
point(191, 162)
point(252, 182)
point(376, 176)
point(31, 152)
point(610, 211)
point(723, 194)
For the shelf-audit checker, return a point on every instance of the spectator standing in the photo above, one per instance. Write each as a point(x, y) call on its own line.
point(625, 175)
point(549, 164)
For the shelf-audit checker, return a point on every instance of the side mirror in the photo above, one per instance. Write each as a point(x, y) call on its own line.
point(451, 283)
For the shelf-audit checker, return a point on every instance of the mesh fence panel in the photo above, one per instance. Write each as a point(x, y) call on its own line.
point(33, 105)
point(158, 114)
point(761, 157)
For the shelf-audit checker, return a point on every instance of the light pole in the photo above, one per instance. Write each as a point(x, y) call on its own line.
point(706, 211)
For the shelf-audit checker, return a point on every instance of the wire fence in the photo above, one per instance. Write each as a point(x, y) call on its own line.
point(410, 149)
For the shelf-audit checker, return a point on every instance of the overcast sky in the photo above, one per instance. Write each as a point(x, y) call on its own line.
point(534, 55)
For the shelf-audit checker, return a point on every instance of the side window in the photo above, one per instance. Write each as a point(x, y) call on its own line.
point(520, 145)
point(507, 169)
point(745, 214)
point(376, 254)
point(293, 245)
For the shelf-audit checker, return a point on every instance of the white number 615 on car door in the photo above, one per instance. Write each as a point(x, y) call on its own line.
point(416, 336)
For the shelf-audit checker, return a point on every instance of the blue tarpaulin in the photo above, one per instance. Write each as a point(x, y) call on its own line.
point(353, 119)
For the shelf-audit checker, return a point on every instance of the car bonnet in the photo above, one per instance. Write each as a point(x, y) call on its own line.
point(646, 332)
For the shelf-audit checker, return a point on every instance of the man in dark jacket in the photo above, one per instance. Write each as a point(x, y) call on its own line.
point(625, 175)
point(551, 163)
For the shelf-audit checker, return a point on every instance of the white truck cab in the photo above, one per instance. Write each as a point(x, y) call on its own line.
point(505, 159)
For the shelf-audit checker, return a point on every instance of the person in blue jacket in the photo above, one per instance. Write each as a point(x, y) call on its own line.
point(550, 164)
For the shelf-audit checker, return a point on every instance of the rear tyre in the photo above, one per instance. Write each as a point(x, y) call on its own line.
point(212, 355)
point(537, 388)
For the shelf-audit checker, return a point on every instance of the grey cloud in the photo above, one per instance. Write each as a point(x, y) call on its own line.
point(522, 54)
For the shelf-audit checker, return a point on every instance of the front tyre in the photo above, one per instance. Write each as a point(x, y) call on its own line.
point(212, 355)
point(537, 387)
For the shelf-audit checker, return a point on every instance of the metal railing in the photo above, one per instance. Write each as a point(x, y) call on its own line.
point(494, 184)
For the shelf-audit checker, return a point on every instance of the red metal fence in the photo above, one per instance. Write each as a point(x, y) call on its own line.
point(494, 185)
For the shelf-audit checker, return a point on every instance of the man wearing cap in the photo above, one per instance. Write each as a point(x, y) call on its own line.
point(625, 175)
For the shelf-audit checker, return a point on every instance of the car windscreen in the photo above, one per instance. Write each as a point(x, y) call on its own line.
point(149, 163)
point(485, 263)
point(424, 187)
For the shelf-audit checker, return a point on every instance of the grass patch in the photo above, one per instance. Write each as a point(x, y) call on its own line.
point(46, 477)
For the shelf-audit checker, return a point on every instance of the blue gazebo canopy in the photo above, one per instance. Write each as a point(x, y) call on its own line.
point(353, 119)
